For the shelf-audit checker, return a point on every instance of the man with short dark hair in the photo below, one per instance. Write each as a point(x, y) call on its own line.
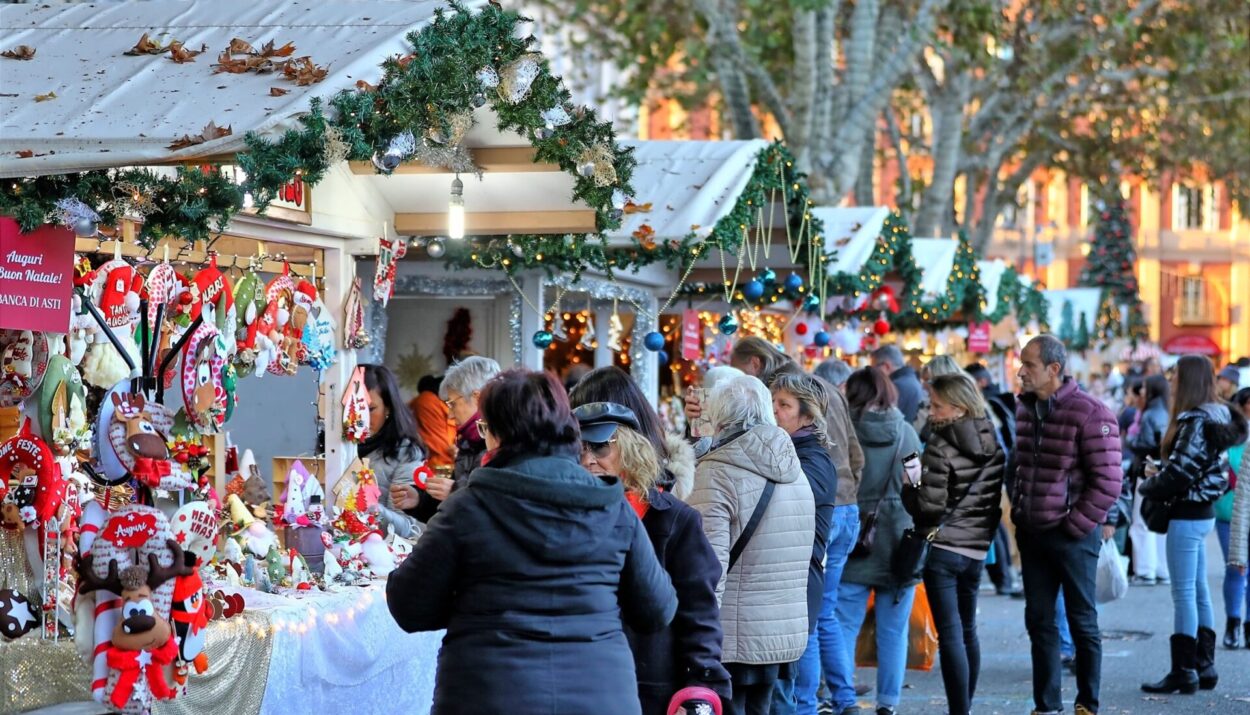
point(1068, 476)
point(889, 359)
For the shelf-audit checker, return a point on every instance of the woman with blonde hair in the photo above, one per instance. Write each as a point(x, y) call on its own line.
point(955, 504)
point(687, 653)
point(800, 402)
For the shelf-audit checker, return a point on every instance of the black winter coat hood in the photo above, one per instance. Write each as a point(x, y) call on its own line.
point(1196, 471)
point(963, 475)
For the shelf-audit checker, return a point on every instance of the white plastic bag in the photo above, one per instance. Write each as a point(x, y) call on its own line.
point(1112, 580)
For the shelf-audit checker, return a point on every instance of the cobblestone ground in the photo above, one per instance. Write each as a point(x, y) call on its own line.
point(1135, 648)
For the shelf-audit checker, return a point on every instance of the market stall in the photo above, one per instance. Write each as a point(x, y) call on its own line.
point(179, 293)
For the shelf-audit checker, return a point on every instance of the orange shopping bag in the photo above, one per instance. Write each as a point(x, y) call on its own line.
point(921, 635)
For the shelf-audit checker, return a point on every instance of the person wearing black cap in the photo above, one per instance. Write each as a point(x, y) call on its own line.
point(1227, 380)
point(688, 651)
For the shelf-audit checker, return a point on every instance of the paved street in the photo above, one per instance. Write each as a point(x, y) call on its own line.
point(1135, 647)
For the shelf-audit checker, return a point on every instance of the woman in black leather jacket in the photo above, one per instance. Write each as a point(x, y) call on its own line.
point(1194, 475)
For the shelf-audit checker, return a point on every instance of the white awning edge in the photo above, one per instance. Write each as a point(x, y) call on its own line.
point(936, 259)
point(852, 233)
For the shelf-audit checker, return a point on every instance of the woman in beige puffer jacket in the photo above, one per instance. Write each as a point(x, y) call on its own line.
point(764, 595)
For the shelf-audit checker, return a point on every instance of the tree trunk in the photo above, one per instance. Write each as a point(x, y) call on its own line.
point(722, 39)
point(804, 88)
point(865, 183)
point(936, 207)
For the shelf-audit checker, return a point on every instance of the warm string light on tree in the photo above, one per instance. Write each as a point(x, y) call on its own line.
point(1110, 267)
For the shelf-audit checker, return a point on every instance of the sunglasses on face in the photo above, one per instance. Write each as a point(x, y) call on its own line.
point(598, 449)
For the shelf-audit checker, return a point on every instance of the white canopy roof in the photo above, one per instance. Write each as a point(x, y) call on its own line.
point(992, 278)
point(936, 259)
point(852, 232)
point(687, 183)
point(116, 110)
point(1084, 300)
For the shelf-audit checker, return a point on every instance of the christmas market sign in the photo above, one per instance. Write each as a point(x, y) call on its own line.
point(36, 284)
point(979, 337)
point(1191, 345)
point(691, 335)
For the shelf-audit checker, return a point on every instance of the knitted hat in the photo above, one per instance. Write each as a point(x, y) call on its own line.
point(161, 287)
point(116, 288)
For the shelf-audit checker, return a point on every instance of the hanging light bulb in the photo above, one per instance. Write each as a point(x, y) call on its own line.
point(455, 210)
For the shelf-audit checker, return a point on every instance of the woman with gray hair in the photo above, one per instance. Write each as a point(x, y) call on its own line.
point(759, 515)
point(461, 387)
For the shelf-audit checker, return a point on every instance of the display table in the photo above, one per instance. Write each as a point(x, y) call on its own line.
point(334, 652)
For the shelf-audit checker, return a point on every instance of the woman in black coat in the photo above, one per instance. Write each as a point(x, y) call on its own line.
point(800, 403)
point(533, 568)
point(956, 500)
point(688, 652)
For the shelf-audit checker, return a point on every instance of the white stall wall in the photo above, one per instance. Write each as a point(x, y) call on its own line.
point(416, 326)
point(276, 417)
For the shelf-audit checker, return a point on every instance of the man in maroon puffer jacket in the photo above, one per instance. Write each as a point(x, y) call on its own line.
point(1068, 476)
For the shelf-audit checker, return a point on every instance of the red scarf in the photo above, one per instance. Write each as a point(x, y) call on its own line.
point(635, 500)
point(127, 663)
point(149, 471)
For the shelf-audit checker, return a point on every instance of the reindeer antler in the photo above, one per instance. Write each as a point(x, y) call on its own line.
point(127, 407)
point(158, 575)
point(88, 581)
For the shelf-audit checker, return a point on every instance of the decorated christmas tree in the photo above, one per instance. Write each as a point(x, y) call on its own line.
point(1110, 266)
point(1067, 324)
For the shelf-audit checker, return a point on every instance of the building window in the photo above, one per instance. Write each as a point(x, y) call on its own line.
point(1193, 208)
point(1199, 302)
point(1085, 208)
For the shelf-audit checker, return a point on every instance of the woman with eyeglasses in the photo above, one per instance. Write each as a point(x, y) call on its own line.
point(687, 653)
point(533, 568)
point(394, 447)
point(461, 388)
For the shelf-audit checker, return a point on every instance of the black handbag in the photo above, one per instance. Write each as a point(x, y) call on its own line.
point(909, 557)
point(1156, 513)
point(868, 520)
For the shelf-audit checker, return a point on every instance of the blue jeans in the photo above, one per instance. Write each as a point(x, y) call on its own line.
point(893, 613)
point(1067, 648)
point(827, 650)
point(1053, 561)
point(1236, 596)
point(1187, 562)
point(951, 581)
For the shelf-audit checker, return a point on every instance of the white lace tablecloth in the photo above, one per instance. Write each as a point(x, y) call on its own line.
point(342, 652)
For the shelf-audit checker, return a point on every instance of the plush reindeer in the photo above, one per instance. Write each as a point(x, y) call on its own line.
point(142, 440)
point(142, 644)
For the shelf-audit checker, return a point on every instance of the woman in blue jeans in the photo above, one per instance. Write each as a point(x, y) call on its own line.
point(886, 439)
point(1193, 476)
point(955, 503)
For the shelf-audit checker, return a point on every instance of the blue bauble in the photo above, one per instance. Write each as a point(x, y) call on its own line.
point(653, 341)
point(811, 303)
point(542, 339)
point(794, 281)
point(728, 324)
point(662, 357)
point(768, 276)
point(753, 290)
point(821, 338)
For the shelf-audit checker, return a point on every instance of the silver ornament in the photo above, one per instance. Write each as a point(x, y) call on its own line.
point(435, 248)
point(85, 228)
point(479, 100)
point(586, 169)
point(545, 133)
point(517, 249)
point(436, 135)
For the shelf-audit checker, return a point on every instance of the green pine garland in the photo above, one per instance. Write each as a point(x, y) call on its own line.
point(774, 176)
point(419, 93)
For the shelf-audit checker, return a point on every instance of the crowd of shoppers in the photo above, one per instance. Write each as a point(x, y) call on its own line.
point(735, 566)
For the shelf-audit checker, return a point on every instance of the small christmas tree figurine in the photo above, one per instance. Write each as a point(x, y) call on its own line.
point(1110, 266)
point(1081, 342)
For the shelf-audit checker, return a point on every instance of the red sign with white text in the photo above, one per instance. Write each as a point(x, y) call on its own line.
point(36, 277)
point(1191, 345)
point(691, 335)
point(978, 337)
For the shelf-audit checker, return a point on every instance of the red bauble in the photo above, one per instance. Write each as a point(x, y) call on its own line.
point(881, 327)
point(1106, 215)
point(801, 329)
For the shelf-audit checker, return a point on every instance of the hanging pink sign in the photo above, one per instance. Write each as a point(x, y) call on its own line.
point(691, 335)
point(979, 337)
point(36, 277)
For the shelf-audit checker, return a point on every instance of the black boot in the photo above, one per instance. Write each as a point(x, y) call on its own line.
point(1246, 641)
point(1183, 677)
point(1232, 634)
point(1204, 659)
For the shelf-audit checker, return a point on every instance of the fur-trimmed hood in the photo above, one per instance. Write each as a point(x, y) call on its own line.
point(1223, 425)
point(680, 466)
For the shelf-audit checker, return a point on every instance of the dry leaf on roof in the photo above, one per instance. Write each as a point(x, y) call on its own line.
point(45, 97)
point(180, 54)
point(145, 46)
point(842, 241)
point(406, 60)
point(644, 232)
point(303, 71)
point(240, 46)
point(633, 208)
point(364, 86)
point(226, 63)
point(278, 91)
point(210, 132)
point(268, 50)
point(21, 52)
point(25, 153)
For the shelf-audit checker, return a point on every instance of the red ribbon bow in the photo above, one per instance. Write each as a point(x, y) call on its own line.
point(149, 470)
point(126, 662)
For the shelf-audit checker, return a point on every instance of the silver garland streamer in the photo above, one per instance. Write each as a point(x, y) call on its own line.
point(605, 291)
point(453, 158)
point(412, 286)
